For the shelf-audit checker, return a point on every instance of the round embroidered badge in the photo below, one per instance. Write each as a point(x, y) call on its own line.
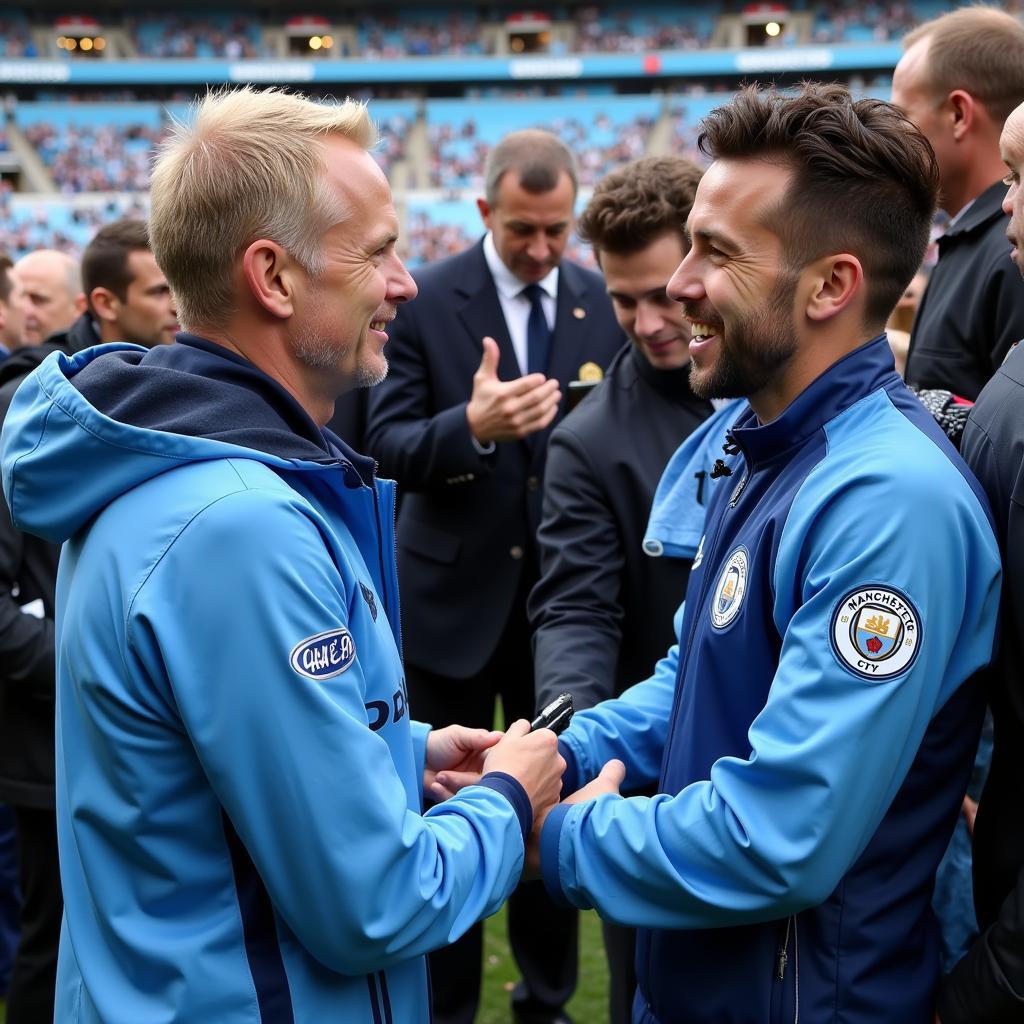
point(876, 632)
point(732, 584)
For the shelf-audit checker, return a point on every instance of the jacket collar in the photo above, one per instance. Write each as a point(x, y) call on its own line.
point(843, 384)
point(985, 209)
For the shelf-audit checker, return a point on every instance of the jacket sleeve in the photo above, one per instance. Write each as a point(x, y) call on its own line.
point(631, 727)
point(575, 607)
point(418, 444)
point(988, 983)
point(773, 833)
point(361, 877)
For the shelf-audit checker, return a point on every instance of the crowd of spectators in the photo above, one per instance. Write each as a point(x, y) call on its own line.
point(15, 37)
point(393, 35)
point(457, 153)
point(95, 158)
point(619, 31)
point(837, 22)
point(66, 224)
point(394, 131)
point(235, 37)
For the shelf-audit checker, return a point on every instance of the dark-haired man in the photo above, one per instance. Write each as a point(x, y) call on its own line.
point(960, 76)
point(128, 300)
point(602, 610)
point(479, 361)
point(812, 731)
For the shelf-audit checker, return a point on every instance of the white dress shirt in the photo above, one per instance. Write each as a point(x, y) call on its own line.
point(514, 304)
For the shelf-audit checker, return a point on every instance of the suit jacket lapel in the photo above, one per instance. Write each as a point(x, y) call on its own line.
point(569, 342)
point(479, 310)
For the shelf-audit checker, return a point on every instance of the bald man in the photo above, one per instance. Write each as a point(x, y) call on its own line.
point(49, 293)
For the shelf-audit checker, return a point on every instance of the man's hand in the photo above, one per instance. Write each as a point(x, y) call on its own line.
point(970, 811)
point(609, 780)
point(532, 758)
point(509, 410)
point(455, 758)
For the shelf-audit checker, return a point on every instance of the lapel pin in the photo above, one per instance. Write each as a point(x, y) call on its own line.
point(579, 312)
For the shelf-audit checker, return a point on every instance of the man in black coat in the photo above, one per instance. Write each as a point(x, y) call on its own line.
point(960, 77)
point(602, 611)
point(128, 300)
point(478, 363)
point(987, 985)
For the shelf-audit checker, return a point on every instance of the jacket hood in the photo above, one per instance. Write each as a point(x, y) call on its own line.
point(85, 428)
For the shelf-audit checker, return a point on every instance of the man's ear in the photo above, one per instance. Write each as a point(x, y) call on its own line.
point(272, 276)
point(104, 304)
point(835, 282)
point(963, 110)
point(485, 212)
point(81, 303)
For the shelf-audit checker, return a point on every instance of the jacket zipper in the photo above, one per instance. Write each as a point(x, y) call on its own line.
point(782, 960)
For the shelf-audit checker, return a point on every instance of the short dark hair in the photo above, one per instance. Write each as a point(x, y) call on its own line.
point(538, 158)
point(864, 181)
point(977, 49)
point(638, 203)
point(105, 259)
point(6, 263)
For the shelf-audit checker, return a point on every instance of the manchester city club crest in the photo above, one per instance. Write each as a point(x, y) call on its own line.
point(876, 632)
point(732, 585)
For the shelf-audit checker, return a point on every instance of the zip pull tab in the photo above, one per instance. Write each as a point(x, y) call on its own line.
point(783, 958)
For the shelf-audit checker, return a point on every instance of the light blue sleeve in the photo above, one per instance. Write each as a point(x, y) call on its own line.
point(774, 833)
point(362, 879)
point(420, 733)
point(631, 727)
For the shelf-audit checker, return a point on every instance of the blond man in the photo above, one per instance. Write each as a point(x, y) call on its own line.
point(239, 782)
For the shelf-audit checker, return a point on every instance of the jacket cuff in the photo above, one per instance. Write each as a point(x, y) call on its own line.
point(512, 790)
point(571, 775)
point(550, 836)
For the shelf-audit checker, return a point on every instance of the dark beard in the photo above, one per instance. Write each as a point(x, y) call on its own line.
point(757, 347)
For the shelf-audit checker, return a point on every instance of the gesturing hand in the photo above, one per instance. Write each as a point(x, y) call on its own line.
point(455, 758)
point(509, 410)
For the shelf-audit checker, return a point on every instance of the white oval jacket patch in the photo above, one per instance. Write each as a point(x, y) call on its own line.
point(324, 655)
point(876, 632)
point(732, 585)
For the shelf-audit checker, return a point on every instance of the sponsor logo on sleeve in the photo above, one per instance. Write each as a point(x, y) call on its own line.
point(876, 632)
point(732, 585)
point(325, 655)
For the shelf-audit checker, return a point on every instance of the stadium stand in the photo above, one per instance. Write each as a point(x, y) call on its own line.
point(601, 131)
point(420, 33)
point(233, 35)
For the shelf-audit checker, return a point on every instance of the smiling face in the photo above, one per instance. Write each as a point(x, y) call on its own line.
point(1011, 146)
point(349, 304)
point(735, 294)
point(636, 283)
point(530, 229)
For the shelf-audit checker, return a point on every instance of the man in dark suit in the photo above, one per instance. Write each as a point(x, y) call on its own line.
point(478, 364)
